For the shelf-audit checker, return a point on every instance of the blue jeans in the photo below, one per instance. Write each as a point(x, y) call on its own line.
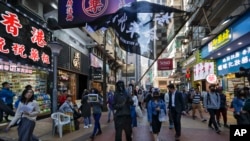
point(87, 121)
point(133, 116)
point(111, 110)
point(97, 126)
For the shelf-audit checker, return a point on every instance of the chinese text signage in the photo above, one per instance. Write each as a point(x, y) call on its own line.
point(202, 70)
point(220, 40)
point(165, 64)
point(231, 63)
point(21, 40)
point(77, 12)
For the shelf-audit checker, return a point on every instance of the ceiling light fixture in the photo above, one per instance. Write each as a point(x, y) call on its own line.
point(228, 49)
point(218, 54)
point(240, 43)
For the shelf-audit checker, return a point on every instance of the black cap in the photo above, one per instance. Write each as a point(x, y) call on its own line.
point(5, 83)
point(171, 86)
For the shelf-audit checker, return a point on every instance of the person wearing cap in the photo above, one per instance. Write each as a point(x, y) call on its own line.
point(223, 108)
point(212, 104)
point(177, 108)
point(7, 96)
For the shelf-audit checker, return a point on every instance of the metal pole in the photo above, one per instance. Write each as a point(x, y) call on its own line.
point(126, 68)
point(54, 102)
point(104, 85)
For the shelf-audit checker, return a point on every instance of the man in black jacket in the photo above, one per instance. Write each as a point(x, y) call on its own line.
point(122, 103)
point(176, 107)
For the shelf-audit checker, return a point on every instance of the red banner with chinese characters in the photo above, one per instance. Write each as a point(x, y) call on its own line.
point(165, 64)
point(22, 40)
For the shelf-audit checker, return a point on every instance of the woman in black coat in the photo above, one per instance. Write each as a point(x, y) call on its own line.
point(86, 111)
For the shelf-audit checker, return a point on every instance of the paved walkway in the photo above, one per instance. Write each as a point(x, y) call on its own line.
point(192, 130)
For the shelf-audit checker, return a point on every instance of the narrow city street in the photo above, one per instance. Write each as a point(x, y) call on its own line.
point(192, 130)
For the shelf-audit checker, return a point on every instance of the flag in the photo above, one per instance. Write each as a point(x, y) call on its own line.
point(143, 27)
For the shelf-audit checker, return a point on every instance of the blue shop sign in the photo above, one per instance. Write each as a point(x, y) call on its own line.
point(232, 62)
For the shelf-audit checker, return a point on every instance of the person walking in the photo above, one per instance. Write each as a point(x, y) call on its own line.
point(27, 110)
point(97, 113)
point(86, 110)
point(122, 103)
point(133, 111)
point(7, 96)
point(211, 105)
point(223, 108)
point(154, 107)
point(170, 119)
point(196, 104)
point(110, 100)
point(177, 108)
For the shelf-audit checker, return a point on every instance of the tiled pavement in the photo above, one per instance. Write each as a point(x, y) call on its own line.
point(192, 130)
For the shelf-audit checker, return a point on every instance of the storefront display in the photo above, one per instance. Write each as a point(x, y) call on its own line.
point(37, 79)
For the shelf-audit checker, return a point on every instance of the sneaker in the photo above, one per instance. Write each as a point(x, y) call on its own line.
point(218, 131)
point(219, 124)
point(225, 125)
point(99, 133)
point(204, 120)
point(85, 126)
point(210, 126)
point(90, 125)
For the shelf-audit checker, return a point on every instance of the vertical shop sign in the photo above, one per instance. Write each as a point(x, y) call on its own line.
point(22, 40)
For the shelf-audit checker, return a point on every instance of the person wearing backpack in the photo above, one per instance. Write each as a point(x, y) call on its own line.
point(211, 105)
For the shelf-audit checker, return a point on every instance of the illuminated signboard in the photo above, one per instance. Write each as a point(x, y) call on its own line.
point(232, 62)
point(220, 40)
point(203, 69)
point(22, 40)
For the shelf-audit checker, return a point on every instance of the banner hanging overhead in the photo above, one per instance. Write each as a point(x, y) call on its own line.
point(72, 13)
point(142, 27)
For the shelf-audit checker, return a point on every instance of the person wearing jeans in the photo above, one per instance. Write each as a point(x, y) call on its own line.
point(97, 113)
point(211, 105)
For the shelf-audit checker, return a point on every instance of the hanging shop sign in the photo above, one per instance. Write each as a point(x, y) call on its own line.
point(220, 40)
point(95, 61)
point(203, 69)
point(232, 62)
point(77, 12)
point(22, 40)
point(211, 78)
point(165, 64)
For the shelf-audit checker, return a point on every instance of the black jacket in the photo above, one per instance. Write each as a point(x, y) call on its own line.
point(122, 103)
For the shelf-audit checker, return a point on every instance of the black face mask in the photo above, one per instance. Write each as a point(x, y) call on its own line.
point(212, 90)
point(120, 86)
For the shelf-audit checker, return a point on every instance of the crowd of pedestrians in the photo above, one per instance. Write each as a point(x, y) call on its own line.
point(122, 104)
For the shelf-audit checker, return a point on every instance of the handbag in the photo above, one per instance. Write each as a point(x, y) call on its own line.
point(162, 116)
point(138, 111)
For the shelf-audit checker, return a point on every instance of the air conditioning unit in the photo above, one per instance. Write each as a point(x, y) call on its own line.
point(34, 6)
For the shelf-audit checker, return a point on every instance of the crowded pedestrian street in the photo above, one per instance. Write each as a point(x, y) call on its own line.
point(192, 130)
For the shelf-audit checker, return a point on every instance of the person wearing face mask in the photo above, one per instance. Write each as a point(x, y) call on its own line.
point(211, 105)
point(121, 104)
point(238, 103)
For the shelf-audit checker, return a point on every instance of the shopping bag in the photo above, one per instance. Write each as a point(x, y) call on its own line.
point(162, 116)
point(138, 111)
